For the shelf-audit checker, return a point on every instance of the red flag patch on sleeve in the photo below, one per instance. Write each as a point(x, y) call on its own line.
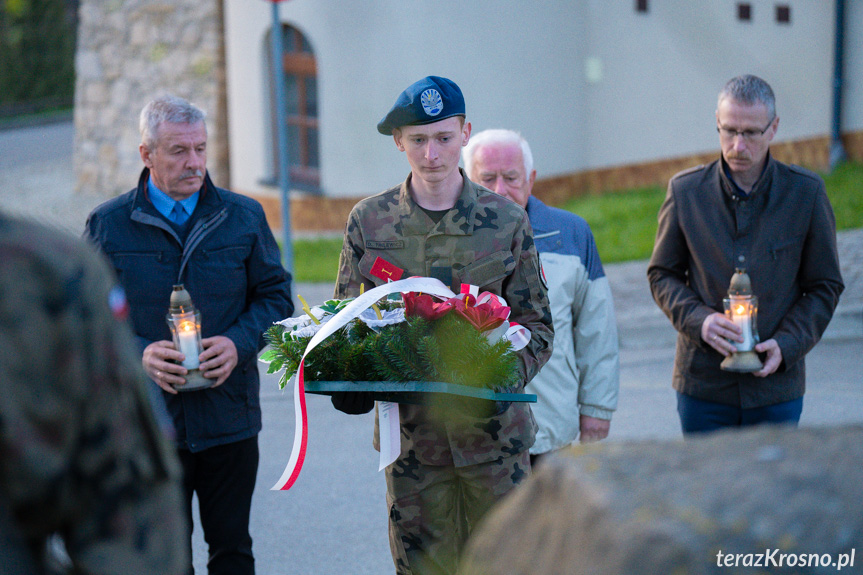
point(385, 270)
point(118, 303)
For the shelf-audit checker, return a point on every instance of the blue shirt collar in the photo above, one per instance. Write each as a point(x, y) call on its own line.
point(165, 203)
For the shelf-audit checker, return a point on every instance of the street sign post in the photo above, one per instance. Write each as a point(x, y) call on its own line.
point(282, 130)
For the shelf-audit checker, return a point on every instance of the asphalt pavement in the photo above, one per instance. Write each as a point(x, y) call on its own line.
point(334, 520)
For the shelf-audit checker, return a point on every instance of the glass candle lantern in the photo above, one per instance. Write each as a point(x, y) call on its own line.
point(743, 311)
point(184, 320)
point(741, 307)
point(186, 331)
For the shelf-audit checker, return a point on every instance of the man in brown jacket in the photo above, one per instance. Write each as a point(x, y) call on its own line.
point(745, 210)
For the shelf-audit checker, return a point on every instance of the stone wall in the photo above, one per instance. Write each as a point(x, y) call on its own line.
point(765, 494)
point(128, 52)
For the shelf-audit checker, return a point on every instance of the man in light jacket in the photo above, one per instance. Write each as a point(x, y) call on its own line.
point(577, 389)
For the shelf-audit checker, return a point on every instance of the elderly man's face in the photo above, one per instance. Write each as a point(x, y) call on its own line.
point(178, 160)
point(745, 133)
point(500, 168)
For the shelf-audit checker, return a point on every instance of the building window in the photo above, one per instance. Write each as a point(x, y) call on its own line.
point(744, 11)
point(641, 6)
point(301, 107)
point(783, 13)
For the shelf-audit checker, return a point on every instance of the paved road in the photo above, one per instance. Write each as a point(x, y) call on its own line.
point(333, 522)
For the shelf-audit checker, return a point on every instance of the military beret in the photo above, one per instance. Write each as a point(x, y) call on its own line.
point(431, 99)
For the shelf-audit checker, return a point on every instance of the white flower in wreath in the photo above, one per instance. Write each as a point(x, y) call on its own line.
point(388, 317)
point(303, 326)
point(306, 330)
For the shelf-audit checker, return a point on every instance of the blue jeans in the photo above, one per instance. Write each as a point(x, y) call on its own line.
point(699, 416)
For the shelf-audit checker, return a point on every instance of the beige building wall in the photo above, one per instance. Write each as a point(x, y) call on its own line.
point(591, 84)
point(852, 108)
point(603, 93)
point(367, 52)
point(662, 72)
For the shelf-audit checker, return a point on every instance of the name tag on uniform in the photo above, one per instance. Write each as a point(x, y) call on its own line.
point(386, 245)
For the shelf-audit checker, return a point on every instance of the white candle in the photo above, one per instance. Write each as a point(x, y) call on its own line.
point(188, 339)
point(741, 320)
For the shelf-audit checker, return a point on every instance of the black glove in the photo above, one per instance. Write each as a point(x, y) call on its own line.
point(500, 407)
point(353, 402)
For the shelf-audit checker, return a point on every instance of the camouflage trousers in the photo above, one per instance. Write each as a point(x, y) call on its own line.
point(433, 509)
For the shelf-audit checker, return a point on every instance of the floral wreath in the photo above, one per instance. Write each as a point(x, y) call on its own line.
point(463, 339)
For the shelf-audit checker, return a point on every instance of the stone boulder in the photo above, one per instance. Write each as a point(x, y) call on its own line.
point(765, 499)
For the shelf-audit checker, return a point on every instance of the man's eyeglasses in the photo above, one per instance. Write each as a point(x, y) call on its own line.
point(748, 135)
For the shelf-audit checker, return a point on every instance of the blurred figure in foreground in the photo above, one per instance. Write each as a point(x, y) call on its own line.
point(81, 455)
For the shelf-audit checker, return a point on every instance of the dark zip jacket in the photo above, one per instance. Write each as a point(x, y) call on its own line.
point(230, 264)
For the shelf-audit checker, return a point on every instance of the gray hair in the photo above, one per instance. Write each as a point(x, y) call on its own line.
point(497, 136)
point(749, 89)
point(163, 109)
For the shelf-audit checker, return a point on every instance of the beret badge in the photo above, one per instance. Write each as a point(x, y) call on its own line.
point(432, 102)
point(426, 101)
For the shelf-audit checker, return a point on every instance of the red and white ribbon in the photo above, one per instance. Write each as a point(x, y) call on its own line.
point(517, 334)
point(352, 310)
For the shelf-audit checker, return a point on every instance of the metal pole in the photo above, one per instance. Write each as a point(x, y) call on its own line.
point(282, 129)
point(837, 150)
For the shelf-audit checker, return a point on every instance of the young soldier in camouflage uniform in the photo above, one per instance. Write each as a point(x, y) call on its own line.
point(437, 223)
point(80, 452)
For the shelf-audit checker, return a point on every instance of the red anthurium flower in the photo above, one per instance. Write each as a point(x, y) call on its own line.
point(425, 306)
point(485, 316)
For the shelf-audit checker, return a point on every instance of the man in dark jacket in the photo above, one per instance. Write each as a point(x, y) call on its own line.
point(176, 227)
point(745, 210)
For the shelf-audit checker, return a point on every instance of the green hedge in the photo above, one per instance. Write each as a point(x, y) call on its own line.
point(37, 55)
point(623, 223)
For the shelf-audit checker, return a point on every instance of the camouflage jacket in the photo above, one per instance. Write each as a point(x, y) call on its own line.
point(484, 240)
point(80, 452)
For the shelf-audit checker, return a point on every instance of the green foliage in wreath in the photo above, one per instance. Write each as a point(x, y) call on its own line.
point(448, 349)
